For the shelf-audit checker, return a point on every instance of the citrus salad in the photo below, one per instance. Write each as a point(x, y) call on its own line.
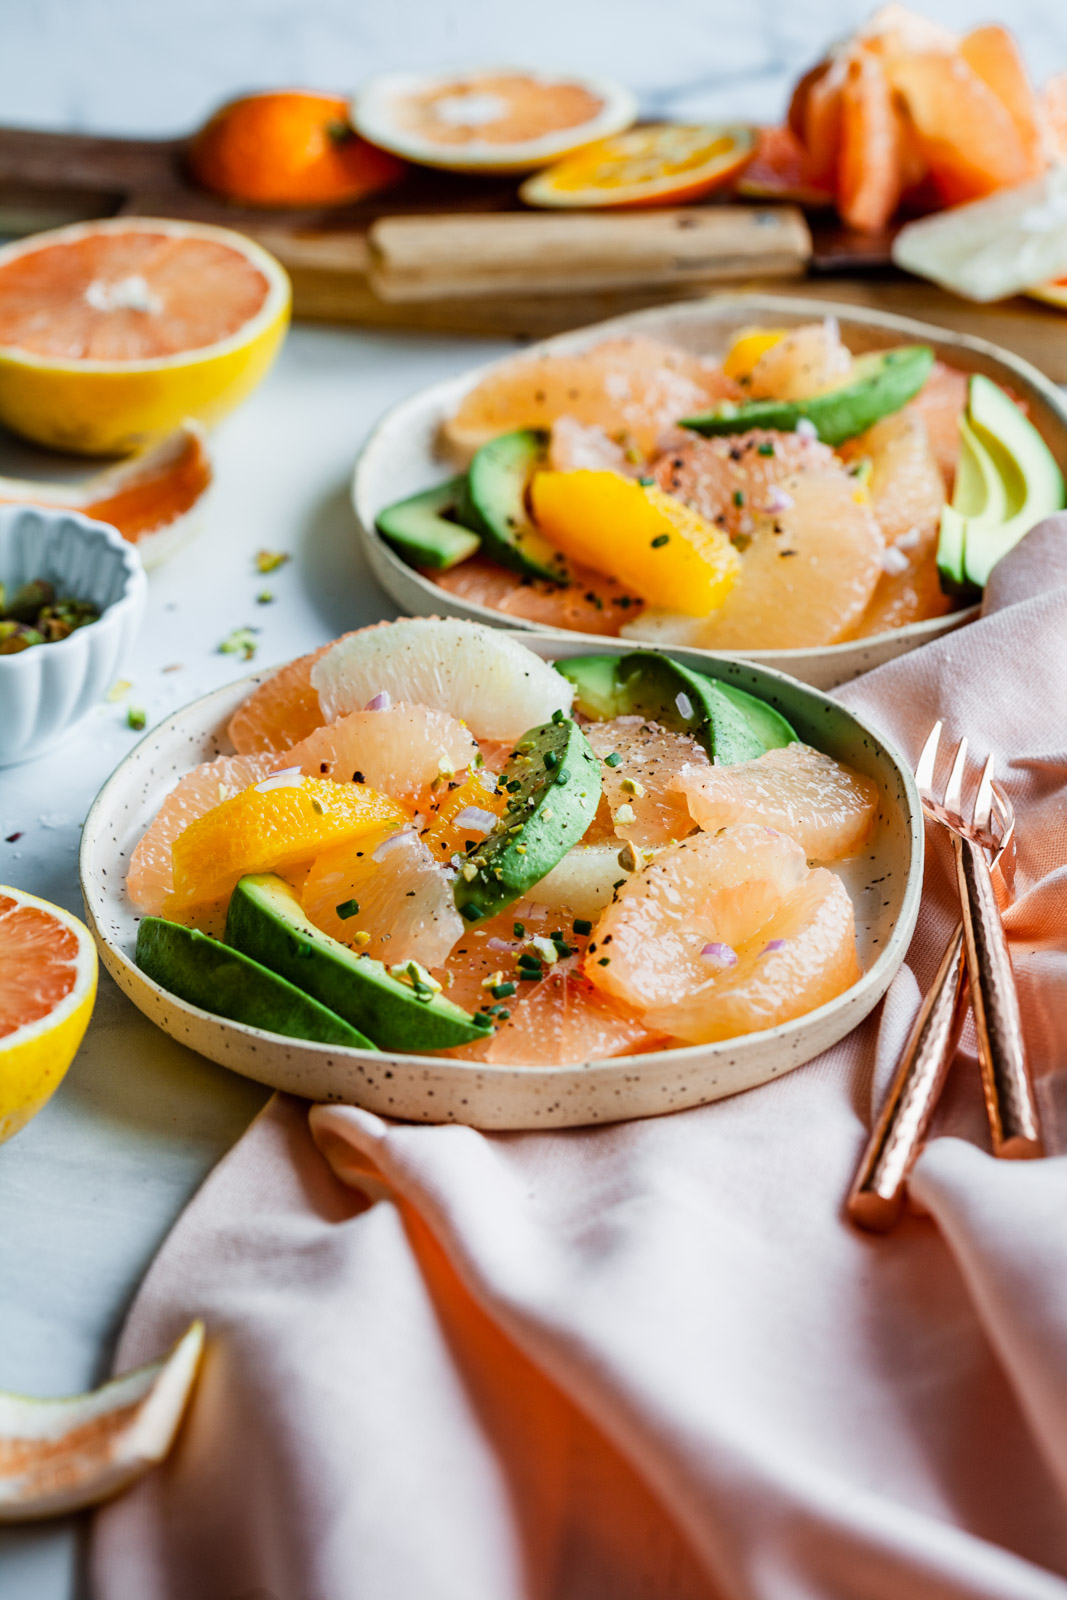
point(796, 495)
point(430, 839)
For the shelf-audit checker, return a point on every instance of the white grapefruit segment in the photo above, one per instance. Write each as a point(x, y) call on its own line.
point(498, 687)
point(58, 1456)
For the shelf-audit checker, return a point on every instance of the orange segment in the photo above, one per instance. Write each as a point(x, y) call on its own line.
point(151, 878)
point(869, 172)
point(592, 602)
point(396, 897)
point(401, 750)
point(658, 547)
point(826, 807)
point(664, 163)
point(1053, 111)
point(289, 148)
point(631, 387)
point(270, 830)
point(968, 135)
point(746, 350)
point(993, 54)
point(456, 820)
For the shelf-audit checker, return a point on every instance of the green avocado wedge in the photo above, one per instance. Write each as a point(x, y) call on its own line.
point(882, 382)
point(425, 527)
point(230, 984)
point(1006, 482)
point(553, 782)
point(731, 725)
point(495, 505)
point(265, 921)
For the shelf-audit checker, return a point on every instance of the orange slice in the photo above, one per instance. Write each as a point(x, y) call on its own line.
point(489, 121)
point(112, 333)
point(291, 147)
point(47, 990)
point(154, 499)
point(657, 546)
point(270, 828)
point(667, 163)
point(826, 807)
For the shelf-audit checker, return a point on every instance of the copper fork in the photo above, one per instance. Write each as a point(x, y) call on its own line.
point(1009, 1092)
point(876, 1198)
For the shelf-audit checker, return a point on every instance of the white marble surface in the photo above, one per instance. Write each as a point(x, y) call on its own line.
point(90, 1189)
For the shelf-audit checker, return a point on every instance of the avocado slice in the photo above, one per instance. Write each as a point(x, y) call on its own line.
point(882, 381)
point(648, 685)
point(229, 984)
point(770, 727)
point(495, 505)
point(265, 920)
point(553, 780)
point(425, 528)
point(1007, 480)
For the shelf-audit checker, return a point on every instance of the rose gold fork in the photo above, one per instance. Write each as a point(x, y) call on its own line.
point(1009, 1092)
point(876, 1198)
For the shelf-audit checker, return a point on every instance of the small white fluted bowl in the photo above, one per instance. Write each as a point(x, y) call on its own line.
point(47, 690)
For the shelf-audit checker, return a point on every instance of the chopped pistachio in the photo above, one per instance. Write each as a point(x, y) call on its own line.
point(135, 719)
point(271, 560)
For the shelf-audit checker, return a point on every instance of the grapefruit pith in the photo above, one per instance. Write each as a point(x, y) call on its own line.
point(113, 332)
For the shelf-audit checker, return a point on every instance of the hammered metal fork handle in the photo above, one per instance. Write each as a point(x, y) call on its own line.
point(1009, 1092)
point(876, 1198)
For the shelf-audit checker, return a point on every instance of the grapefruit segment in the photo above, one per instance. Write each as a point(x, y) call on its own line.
point(826, 807)
point(638, 799)
point(967, 134)
point(498, 687)
point(729, 480)
point(631, 387)
point(281, 711)
point(870, 174)
point(113, 333)
point(391, 891)
point(592, 602)
point(564, 1020)
point(906, 487)
point(805, 361)
point(400, 750)
point(723, 935)
point(941, 402)
point(992, 53)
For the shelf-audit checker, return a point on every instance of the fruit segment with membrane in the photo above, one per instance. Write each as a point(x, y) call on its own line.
point(806, 575)
point(497, 686)
point(829, 809)
point(268, 830)
point(388, 887)
point(632, 387)
point(668, 554)
point(722, 935)
point(401, 750)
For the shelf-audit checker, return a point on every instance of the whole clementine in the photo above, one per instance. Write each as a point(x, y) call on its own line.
point(289, 147)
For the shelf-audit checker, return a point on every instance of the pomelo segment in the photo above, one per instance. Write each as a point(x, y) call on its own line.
point(498, 687)
point(632, 387)
point(404, 898)
point(826, 807)
point(723, 935)
point(806, 361)
point(151, 877)
point(400, 750)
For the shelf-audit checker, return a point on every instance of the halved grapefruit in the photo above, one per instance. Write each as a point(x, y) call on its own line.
point(489, 120)
point(112, 333)
point(47, 990)
point(666, 163)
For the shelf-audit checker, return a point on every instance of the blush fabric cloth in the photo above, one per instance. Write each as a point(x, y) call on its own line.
point(652, 1361)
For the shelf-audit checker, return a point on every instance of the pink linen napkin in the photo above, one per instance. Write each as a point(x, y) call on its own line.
point(652, 1361)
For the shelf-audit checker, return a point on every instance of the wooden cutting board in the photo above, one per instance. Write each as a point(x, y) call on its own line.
point(450, 253)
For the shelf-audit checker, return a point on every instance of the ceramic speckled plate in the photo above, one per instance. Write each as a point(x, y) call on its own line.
point(400, 456)
point(885, 883)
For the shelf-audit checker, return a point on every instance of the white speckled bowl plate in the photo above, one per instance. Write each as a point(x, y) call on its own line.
point(885, 883)
point(400, 456)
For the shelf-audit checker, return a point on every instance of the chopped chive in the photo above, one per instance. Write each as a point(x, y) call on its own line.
point(519, 930)
point(551, 760)
point(558, 716)
point(470, 913)
point(660, 540)
point(563, 776)
point(502, 1012)
point(765, 449)
point(347, 908)
point(501, 991)
point(582, 925)
point(739, 498)
point(614, 760)
point(514, 786)
point(604, 961)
